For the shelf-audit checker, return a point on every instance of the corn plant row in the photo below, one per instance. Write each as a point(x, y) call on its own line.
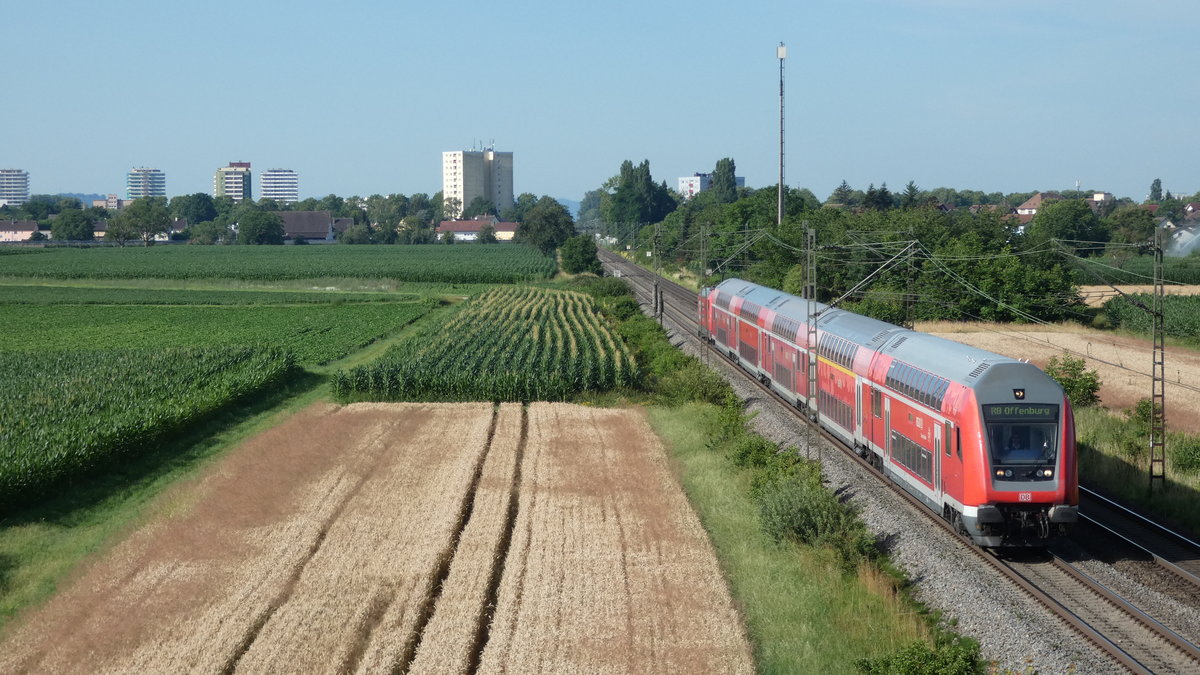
point(510, 344)
point(65, 413)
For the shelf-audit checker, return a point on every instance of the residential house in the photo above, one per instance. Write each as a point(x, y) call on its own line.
point(1191, 211)
point(468, 230)
point(17, 230)
point(310, 225)
point(1027, 210)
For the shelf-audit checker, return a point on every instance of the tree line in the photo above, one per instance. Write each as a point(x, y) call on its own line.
point(951, 263)
point(543, 222)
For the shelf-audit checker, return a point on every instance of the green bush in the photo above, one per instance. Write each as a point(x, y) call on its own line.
point(692, 382)
point(753, 451)
point(952, 657)
point(797, 506)
point(1082, 386)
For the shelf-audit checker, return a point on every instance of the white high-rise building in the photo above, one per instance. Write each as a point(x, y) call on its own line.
point(470, 174)
point(282, 185)
point(233, 181)
point(143, 182)
point(14, 187)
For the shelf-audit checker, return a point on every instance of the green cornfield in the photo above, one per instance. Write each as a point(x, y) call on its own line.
point(1181, 314)
point(509, 344)
point(65, 413)
point(313, 333)
point(463, 263)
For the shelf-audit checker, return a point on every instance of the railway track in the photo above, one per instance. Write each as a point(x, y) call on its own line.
point(1170, 550)
point(1129, 636)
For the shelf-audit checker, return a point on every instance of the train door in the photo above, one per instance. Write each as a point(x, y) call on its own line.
point(937, 459)
point(887, 428)
point(952, 461)
point(858, 410)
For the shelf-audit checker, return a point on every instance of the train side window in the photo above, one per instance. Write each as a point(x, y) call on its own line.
point(958, 442)
point(947, 438)
point(877, 403)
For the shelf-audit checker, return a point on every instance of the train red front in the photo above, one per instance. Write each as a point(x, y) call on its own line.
point(984, 440)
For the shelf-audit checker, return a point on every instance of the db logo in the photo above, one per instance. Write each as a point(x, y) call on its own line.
point(1025, 496)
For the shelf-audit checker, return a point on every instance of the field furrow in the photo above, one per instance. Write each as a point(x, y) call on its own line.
point(450, 642)
point(359, 600)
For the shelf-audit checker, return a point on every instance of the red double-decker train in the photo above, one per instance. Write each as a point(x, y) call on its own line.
point(984, 440)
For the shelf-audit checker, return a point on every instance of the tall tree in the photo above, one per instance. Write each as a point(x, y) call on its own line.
point(260, 227)
point(547, 226)
point(479, 207)
point(72, 225)
point(908, 198)
point(148, 217)
point(195, 208)
point(724, 181)
point(524, 202)
point(841, 194)
point(1156, 190)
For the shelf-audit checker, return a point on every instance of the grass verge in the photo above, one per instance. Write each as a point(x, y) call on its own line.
point(802, 611)
point(1113, 459)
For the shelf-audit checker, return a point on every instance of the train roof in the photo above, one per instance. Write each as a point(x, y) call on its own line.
point(954, 360)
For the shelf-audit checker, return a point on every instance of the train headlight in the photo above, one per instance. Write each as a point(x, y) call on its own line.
point(999, 473)
point(1008, 473)
point(1048, 473)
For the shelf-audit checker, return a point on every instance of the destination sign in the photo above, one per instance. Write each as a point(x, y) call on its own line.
point(1021, 411)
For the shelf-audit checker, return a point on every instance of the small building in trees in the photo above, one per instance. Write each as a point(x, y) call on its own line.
point(1027, 210)
point(468, 230)
point(690, 186)
point(308, 225)
point(17, 230)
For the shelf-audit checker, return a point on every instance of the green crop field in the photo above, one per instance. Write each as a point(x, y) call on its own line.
point(510, 344)
point(1136, 270)
point(1181, 314)
point(315, 334)
point(28, 294)
point(64, 413)
point(462, 263)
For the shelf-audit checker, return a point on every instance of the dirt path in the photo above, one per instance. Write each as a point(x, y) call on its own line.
point(378, 537)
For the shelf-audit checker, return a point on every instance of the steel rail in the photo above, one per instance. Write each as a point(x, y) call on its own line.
point(1170, 550)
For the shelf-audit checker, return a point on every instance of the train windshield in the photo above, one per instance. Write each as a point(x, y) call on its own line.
point(1022, 440)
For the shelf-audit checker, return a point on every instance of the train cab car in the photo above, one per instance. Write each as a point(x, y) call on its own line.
point(986, 441)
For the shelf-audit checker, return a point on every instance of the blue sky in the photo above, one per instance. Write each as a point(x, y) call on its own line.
point(363, 97)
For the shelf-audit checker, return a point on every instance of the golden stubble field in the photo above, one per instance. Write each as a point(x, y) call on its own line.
point(422, 538)
point(1123, 363)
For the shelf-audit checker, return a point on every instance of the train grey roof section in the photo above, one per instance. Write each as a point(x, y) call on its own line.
point(958, 362)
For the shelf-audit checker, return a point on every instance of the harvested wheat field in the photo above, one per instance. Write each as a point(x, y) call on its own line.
point(609, 569)
point(377, 537)
point(1123, 363)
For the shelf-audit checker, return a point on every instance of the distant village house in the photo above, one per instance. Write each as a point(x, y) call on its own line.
point(468, 230)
